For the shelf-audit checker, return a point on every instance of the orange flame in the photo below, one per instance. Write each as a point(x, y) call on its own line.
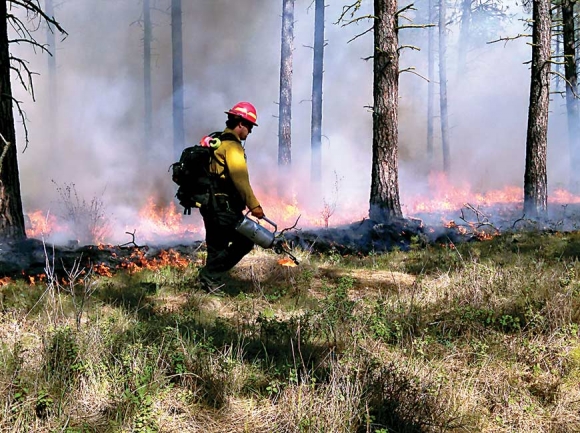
point(138, 261)
point(167, 223)
point(40, 224)
point(287, 262)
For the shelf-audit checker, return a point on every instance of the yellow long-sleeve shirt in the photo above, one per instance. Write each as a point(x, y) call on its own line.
point(231, 154)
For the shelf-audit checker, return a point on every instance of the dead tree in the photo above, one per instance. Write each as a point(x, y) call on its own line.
point(177, 59)
point(148, 110)
point(535, 175)
point(52, 106)
point(317, 76)
point(11, 213)
point(572, 109)
point(285, 107)
point(431, 84)
point(486, 9)
point(444, 111)
point(463, 42)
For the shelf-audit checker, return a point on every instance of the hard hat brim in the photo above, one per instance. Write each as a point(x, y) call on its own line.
point(238, 115)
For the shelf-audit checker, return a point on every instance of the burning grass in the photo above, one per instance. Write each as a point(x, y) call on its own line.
point(483, 337)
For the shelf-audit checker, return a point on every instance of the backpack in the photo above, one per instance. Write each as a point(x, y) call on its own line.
point(196, 185)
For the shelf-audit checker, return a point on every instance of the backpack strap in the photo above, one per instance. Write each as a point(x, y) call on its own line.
point(212, 188)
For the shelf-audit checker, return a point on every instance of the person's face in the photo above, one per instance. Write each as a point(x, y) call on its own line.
point(246, 129)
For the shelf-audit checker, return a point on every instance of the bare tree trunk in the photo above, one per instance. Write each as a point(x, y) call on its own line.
point(52, 106)
point(147, 35)
point(573, 112)
point(285, 108)
point(431, 84)
point(557, 53)
point(384, 200)
point(463, 42)
point(11, 214)
point(535, 177)
point(177, 51)
point(443, 86)
point(317, 75)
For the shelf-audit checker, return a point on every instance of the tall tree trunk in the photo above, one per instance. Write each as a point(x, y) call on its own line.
point(384, 200)
point(52, 106)
point(558, 53)
point(147, 35)
point(463, 42)
point(11, 214)
point(443, 86)
point(317, 75)
point(573, 112)
point(177, 51)
point(535, 176)
point(285, 108)
point(431, 84)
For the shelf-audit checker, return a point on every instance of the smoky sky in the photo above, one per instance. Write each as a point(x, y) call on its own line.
point(231, 52)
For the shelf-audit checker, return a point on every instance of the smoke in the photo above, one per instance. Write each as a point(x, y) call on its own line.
point(232, 53)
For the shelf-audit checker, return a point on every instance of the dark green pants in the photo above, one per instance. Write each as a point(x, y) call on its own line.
point(225, 246)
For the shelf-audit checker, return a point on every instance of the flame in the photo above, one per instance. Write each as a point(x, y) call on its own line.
point(137, 261)
point(163, 222)
point(445, 197)
point(155, 223)
point(287, 262)
point(41, 224)
point(102, 270)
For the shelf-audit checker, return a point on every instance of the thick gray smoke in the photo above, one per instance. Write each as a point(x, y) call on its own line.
point(232, 53)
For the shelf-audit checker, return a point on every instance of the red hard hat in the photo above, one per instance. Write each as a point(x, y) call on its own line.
point(246, 111)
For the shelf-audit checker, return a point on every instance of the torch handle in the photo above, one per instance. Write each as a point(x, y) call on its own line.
point(272, 223)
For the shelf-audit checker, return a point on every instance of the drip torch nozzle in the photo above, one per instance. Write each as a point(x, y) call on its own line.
point(279, 249)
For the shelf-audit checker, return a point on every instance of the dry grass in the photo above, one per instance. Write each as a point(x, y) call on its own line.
point(481, 339)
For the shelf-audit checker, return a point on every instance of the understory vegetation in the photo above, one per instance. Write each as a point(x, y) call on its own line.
point(477, 337)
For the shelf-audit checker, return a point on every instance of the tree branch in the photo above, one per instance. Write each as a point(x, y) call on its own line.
point(412, 71)
point(361, 34)
point(510, 38)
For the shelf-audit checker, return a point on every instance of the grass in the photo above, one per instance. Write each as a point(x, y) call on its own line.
point(478, 337)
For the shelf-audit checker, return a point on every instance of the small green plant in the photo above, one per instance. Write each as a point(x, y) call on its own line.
point(337, 309)
point(44, 403)
point(63, 356)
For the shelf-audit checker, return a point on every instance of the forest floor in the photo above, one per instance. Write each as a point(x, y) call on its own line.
point(481, 336)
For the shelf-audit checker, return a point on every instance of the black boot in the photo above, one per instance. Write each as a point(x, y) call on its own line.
point(211, 283)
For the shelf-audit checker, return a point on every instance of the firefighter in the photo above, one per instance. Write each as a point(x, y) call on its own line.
point(225, 246)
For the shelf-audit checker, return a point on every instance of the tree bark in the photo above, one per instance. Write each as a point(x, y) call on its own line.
point(572, 108)
point(317, 76)
point(285, 107)
point(11, 214)
point(384, 200)
point(177, 51)
point(535, 176)
point(52, 106)
point(431, 84)
point(147, 35)
point(444, 114)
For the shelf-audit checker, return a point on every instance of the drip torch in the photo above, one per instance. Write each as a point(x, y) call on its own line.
point(260, 235)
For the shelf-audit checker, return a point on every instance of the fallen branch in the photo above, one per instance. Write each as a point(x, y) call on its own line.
point(132, 242)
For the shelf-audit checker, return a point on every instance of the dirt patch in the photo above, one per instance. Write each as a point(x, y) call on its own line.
point(366, 282)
